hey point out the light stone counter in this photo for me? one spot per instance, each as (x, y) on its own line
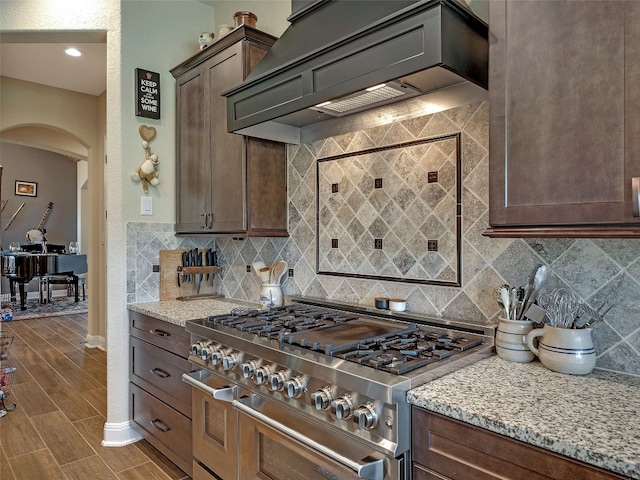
(593, 418)
(178, 312)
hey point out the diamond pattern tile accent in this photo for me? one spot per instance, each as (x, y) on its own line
(405, 205)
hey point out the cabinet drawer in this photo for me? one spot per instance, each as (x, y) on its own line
(201, 473)
(160, 372)
(461, 451)
(422, 473)
(162, 426)
(173, 338)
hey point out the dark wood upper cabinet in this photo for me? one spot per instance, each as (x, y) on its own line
(227, 184)
(564, 89)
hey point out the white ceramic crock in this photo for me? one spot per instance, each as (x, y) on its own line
(511, 340)
(564, 350)
(271, 295)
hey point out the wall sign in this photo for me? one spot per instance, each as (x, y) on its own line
(147, 94)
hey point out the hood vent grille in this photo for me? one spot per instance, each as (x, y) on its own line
(372, 97)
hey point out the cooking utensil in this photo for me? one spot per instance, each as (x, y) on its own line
(257, 267)
(265, 274)
(197, 258)
(589, 316)
(562, 308)
(213, 256)
(278, 271)
(505, 295)
(537, 279)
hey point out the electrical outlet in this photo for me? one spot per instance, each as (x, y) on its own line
(248, 268)
(291, 272)
(156, 268)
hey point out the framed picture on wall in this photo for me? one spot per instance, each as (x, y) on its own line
(28, 189)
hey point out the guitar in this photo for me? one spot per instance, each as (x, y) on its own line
(36, 235)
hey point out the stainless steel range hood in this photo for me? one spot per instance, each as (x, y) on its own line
(430, 55)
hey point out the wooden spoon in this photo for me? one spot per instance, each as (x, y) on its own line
(278, 270)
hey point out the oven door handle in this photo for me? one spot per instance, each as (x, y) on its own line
(372, 470)
(225, 394)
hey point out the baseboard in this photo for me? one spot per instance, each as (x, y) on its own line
(96, 341)
(119, 434)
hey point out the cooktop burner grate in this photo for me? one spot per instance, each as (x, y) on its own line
(395, 347)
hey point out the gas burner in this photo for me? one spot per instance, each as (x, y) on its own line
(391, 346)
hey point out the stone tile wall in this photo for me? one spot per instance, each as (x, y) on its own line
(598, 270)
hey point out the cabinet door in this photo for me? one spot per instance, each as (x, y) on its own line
(193, 192)
(560, 119)
(227, 149)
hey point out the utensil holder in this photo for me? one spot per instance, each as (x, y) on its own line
(511, 340)
(271, 295)
(564, 350)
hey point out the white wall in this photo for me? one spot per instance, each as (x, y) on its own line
(151, 34)
(271, 15)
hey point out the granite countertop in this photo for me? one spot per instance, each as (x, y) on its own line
(591, 418)
(178, 311)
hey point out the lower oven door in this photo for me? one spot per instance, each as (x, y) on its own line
(214, 424)
(279, 444)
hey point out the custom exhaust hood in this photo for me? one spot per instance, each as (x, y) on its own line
(345, 65)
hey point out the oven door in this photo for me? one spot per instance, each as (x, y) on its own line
(214, 424)
(279, 444)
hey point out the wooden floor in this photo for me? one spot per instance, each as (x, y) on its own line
(59, 388)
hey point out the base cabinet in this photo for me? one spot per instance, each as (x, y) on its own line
(160, 401)
(446, 449)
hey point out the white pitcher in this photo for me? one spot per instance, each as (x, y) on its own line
(564, 350)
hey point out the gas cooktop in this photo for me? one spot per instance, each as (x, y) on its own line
(383, 343)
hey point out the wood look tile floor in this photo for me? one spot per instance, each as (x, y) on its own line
(60, 391)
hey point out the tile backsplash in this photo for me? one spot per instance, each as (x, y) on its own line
(597, 270)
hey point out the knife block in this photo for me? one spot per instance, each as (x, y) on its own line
(170, 263)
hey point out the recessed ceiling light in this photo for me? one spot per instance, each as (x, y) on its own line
(73, 52)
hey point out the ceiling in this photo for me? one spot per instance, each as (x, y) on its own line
(36, 60)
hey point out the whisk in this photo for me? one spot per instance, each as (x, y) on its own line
(562, 308)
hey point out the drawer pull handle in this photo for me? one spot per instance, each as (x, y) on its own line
(160, 373)
(159, 333)
(370, 470)
(635, 195)
(226, 393)
(160, 425)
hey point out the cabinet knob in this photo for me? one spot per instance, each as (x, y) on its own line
(635, 195)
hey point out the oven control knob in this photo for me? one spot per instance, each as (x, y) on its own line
(321, 398)
(229, 361)
(216, 356)
(249, 369)
(276, 381)
(365, 416)
(196, 348)
(342, 407)
(294, 387)
(261, 375)
(205, 353)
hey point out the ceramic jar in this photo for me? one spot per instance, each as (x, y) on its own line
(564, 350)
(511, 340)
(271, 295)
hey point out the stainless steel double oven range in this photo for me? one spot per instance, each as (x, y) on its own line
(315, 390)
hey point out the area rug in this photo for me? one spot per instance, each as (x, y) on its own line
(60, 306)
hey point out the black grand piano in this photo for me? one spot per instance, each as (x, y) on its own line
(50, 268)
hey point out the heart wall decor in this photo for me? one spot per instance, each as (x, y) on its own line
(147, 133)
